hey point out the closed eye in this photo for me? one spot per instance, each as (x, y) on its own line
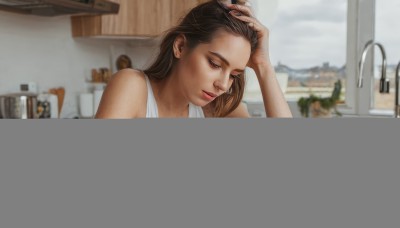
(214, 65)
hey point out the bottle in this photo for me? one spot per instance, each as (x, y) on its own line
(86, 105)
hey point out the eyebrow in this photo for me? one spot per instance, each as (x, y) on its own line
(224, 60)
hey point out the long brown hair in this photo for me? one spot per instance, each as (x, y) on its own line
(199, 26)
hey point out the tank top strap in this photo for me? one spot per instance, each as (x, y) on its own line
(152, 110)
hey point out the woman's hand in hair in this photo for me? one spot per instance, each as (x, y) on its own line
(274, 101)
(261, 54)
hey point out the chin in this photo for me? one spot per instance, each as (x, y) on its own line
(199, 102)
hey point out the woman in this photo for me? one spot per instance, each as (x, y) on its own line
(199, 71)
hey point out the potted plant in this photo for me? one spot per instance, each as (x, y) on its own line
(319, 106)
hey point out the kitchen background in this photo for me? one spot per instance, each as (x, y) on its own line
(54, 52)
(42, 50)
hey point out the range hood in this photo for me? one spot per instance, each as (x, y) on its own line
(59, 7)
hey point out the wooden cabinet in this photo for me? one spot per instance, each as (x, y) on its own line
(140, 18)
(179, 8)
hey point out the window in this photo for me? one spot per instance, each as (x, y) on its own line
(307, 47)
(385, 25)
(314, 42)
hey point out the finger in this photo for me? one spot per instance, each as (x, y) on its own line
(244, 9)
(256, 27)
(252, 22)
(241, 16)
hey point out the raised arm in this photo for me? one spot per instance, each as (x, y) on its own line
(275, 103)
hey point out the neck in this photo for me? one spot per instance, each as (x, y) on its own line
(170, 98)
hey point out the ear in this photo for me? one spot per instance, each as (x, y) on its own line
(179, 46)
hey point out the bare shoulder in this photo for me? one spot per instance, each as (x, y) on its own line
(125, 96)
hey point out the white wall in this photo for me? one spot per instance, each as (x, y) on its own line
(42, 50)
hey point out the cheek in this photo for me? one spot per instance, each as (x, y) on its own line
(196, 68)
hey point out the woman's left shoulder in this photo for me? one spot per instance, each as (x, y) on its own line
(240, 112)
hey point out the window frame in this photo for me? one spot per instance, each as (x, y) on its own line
(360, 30)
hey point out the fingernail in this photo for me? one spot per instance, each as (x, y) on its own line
(236, 13)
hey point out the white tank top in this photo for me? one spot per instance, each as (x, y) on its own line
(152, 110)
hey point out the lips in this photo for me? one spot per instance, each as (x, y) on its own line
(210, 94)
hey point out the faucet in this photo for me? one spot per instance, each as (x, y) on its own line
(384, 82)
(396, 99)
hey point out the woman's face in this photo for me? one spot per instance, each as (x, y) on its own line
(208, 70)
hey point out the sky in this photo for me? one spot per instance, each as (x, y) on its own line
(307, 33)
(387, 21)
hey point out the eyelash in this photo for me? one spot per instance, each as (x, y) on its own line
(218, 67)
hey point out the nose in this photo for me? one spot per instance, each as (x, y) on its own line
(222, 83)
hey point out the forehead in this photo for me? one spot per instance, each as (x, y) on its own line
(234, 48)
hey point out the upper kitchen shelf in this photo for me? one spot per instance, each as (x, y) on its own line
(136, 18)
